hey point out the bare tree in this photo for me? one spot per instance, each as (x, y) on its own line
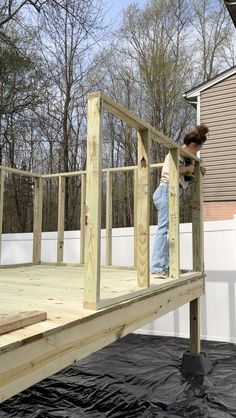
(69, 36)
(213, 36)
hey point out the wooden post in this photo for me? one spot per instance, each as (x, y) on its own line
(174, 256)
(195, 343)
(82, 216)
(93, 203)
(197, 220)
(61, 219)
(135, 216)
(143, 273)
(198, 258)
(109, 219)
(1, 208)
(38, 212)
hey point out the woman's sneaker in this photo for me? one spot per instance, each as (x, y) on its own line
(161, 275)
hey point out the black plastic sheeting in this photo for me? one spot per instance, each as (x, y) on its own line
(137, 376)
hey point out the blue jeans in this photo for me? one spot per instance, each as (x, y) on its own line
(160, 252)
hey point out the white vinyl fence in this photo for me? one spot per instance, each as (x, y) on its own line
(218, 306)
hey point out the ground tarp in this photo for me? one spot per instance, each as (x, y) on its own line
(137, 376)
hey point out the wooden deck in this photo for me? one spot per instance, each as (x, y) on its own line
(70, 332)
(87, 310)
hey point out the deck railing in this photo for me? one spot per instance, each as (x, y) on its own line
(97, 104)
(90, 217)
(37, 222)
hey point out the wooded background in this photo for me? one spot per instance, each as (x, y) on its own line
(53, 53)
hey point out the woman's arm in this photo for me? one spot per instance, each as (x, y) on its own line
(186, 169)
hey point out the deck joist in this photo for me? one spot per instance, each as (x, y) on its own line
(70, 332)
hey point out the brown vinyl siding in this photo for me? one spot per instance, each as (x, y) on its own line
(218, 112)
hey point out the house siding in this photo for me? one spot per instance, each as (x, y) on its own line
(218, 112)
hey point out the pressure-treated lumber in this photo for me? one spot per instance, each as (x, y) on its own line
(82, 216)
(195, 342)
(61, 219)
(38, 211)
(174, 251)
(1, 208)
(109, 219)
(88, 311)
(67, 174)
(19, 172)
(93, 203)
(197, 220)
(124, 114)
(142, 207)
(70, 332)
(8, 266)
(12, 322)
(198, 260)
(135, 216)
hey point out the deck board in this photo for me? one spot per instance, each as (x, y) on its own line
(70, 332)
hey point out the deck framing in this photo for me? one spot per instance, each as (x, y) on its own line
(93, 321)
(26, 360)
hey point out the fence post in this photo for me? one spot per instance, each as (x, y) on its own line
(38, 212)
(143, 273)
(61, 219)
(93, 203)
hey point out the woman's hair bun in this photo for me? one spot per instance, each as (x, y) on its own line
(197, 135)
(201, 130)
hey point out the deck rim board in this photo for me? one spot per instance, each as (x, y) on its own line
(44, 357)
(86, 314)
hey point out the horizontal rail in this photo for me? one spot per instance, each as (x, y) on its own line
(69, 174)
(5, 266)
(125, 115)
(119, 111)
(104, 170)
(18, 172)
(130, 168)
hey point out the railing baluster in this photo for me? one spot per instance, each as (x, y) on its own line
(61, 219)
(82, 216)
(38, 209)
(1, 208)
(109, 219)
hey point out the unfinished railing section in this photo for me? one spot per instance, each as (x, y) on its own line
(97, 104)
(90, 214)
(37, 221)
(61, 178)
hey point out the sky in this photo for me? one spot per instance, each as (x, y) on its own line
(115, 7)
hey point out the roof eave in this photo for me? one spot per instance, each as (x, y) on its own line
(231, 6)
(197, 90)
(191, 100)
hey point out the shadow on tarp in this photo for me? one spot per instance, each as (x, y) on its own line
(137, 376)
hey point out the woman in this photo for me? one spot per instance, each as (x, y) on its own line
(193, 142)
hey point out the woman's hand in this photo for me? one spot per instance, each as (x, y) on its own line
(186, 169)
(203, 170)
(190, 168)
